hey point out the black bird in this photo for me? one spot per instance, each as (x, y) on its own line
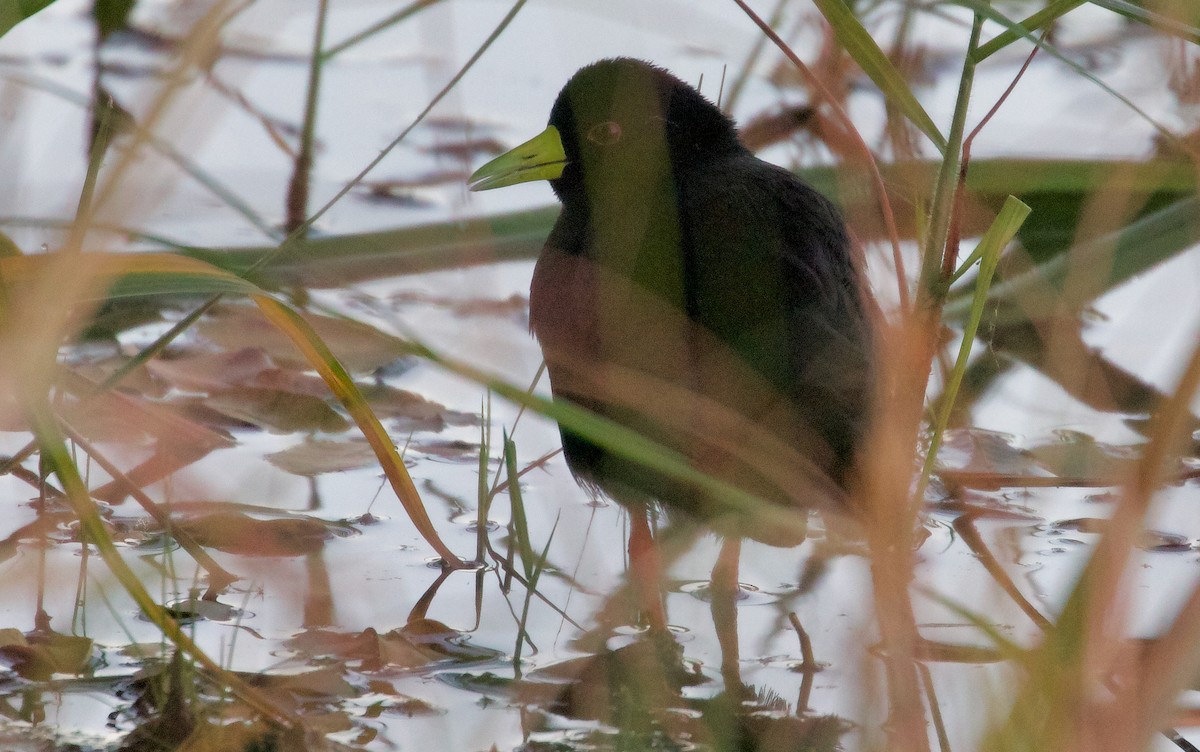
(697, 294)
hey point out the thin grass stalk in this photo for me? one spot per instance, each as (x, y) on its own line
(101, 139)
(931, 290)
(497, 483)
(375, 28)
(998, 236)
(533, 566)
(952, 243)
(298, 186)
(520, 522)
(45, 426)
(739, 82)
(1039, 20)
(483, 500)
(530, 591)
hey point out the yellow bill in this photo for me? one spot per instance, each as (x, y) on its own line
(540, 158)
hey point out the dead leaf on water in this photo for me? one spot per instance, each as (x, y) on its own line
(412, 412)
(241, 534)
(319, 456)
(212, 371)
(359, 348)
(279, 412)
(373, 650)
(1077, 455)
(975, 450)
(40, 654)
(453, 451)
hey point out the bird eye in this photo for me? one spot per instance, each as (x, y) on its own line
(604, 133)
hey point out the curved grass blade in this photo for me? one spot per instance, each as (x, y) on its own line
(1035, 22)
(859, 44)
(990, 13)
(991, 246)
(633, 445)
(54, 453)
(1160, 21)
(158, 273)
(343, 387)
(14, 12)
(1126, 253)
(130, 274)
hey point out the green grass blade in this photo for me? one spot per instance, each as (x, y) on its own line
(1160, 22)
(630, 444)
(333, 261)
(860, 46)
(1126, 253)
(132, 274)
(13, 12)
(54, 453)
(343, 387)
(987, 11)
(520, 522)
(1044, 17)
(483, 502)
(991, 247)
(155, 273)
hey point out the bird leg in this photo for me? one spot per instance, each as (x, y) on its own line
(724, 591)
(645, 564)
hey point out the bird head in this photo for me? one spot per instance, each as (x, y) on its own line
(616, 123)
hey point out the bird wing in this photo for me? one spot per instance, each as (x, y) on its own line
(770, 274)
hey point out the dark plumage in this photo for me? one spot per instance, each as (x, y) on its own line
(695, 293)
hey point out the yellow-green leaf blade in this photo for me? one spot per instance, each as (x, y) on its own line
(859, 44)
(343, 387)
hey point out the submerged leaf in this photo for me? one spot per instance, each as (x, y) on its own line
(1077, 455)
(359, 348)
(412, 412)
(247, 536)
(278, 411)
(316, 457)
(40, 654)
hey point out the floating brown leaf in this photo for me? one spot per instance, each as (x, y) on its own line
(237, 533)
(281, 412)
(359, 348)
(319, 456)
